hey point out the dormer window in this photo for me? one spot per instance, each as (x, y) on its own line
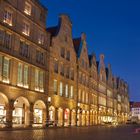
(8, 18)
(27, 8)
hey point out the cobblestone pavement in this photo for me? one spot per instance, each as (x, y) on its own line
(76, 133)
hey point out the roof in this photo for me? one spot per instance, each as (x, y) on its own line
(135, 104)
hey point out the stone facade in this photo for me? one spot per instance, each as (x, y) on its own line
(47, 76)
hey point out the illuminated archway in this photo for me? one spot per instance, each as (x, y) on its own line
(66, 117)
(51, 113)
(21, 111)
(39, 112)
(3, 103)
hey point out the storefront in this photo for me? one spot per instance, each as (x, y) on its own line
(66, 117)
(3, 102)
(21, 111)
(18, 115)
(39, 112)
(51, 113)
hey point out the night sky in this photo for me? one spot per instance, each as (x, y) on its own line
(112, 27)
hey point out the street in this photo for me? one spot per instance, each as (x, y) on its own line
(126, 132)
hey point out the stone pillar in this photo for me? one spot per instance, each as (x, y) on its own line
(9, 110)
(44, 117)
(56, 117)
(31, 115)
(70, 117)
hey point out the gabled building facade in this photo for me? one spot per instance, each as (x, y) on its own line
(47, 77)
(63, 73)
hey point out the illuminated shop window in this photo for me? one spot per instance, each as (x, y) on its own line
(28, 8)
(26, 29)
(38, 113)
(2, 113)
(18, 115)
(8, 17)
(22, 75)
(39, 80)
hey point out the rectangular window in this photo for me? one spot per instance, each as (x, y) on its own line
(55, 86)
(83, 96)
(26, 29)
(67, 72)
(1, 37)
(66, 91)
(6, 70)
(56, 66)
(62, 52)
(20, 67)
(25, 76)
(27, 8)
(39, 57)
(86, 97)
(22, 80)
(61, 88)
(71, 92)
(8, 18)
(7, 40)
(41, 39)
(62, 70)
(68, 55)
(72, 74)
(79, 95)
(24, 49)
(39, 80)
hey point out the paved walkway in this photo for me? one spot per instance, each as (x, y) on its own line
(124, 132)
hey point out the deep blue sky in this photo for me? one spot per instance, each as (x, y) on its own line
(112, 28)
